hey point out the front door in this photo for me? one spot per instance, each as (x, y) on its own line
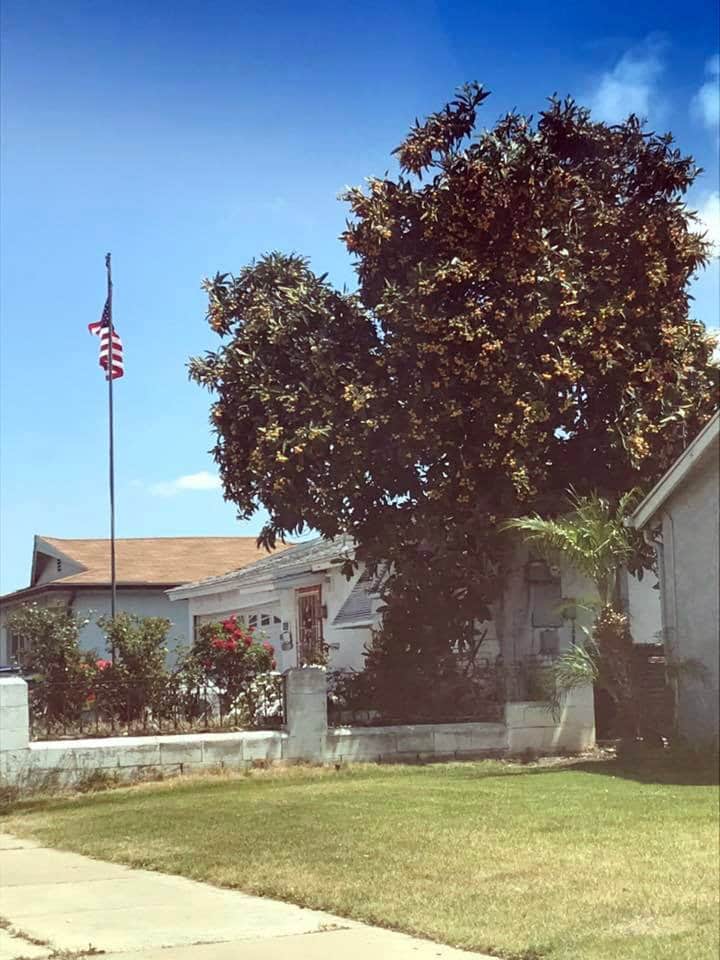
(310, 633)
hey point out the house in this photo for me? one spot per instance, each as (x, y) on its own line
(76, 573)
(300, 600)
(680, 516)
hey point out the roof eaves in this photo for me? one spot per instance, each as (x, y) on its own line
(68, 586)
(359, 624)
(315, 556)
(672, 478)
(213, 585)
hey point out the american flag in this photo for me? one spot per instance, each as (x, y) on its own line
(102, 329)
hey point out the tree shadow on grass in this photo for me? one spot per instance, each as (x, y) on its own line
(661, 769)
(651, 768)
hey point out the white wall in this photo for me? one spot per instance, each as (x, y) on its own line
(690, 589)
(644, 609)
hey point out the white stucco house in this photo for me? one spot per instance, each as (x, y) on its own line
(680, 516)
(301, 599)
(298, 599)
(76, 574)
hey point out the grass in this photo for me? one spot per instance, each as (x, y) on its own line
(588, 861)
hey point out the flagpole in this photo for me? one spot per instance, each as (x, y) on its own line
(112, 445)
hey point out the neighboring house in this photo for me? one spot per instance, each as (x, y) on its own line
(76, 573)
(680, 515)
(301, 600)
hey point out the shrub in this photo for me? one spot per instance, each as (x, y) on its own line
(59, 673)
(138, 678)
(232, 660)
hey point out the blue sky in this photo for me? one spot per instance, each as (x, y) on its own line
(188, 137)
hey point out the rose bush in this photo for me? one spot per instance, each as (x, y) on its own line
(234, 661)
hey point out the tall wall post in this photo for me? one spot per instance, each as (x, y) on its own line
(306, 713)
(14, 726)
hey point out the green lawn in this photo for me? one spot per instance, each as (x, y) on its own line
(579, 862)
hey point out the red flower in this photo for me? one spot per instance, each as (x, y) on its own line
(247, 641)
(230, 623)
(217, 643)
(273, 665)
(269, 647)
(231, 644)
(91, 698)
(103, 664)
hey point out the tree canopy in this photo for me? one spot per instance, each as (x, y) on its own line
(521, 325)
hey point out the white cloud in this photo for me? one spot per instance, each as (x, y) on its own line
(709, 216)
(204, 480)
(631, 86)
(706, 102)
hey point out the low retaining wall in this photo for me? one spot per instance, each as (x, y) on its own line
(131, 757)
(426, 741)
(306, 737)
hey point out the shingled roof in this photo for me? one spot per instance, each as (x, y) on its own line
(142, 562)
(300, 556)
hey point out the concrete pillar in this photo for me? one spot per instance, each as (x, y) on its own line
(14, 726)
(306, 713)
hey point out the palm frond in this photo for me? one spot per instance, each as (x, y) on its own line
(591, 536)
(577, 667)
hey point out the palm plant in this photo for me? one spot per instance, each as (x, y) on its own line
(593, 538)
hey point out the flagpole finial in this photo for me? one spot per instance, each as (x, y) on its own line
(107, 259)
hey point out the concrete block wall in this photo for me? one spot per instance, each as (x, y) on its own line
(427, 741)
(306, 737)
(534, 726)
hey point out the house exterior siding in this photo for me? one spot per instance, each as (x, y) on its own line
(689, 573)
(140, 603)
(92, 605)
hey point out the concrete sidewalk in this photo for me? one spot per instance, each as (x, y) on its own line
(52, 902)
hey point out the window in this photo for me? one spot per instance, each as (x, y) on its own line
(547, 604)
(549, 643)
(15, 645)
(266, 622)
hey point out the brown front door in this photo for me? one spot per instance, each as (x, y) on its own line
(309, 616)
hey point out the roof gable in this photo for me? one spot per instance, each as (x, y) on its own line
(161, 561)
